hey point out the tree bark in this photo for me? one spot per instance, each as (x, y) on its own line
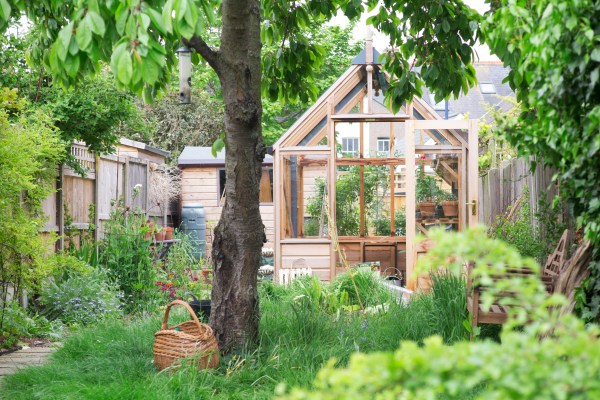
(240, 233)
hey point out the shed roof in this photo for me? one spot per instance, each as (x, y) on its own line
(192, 156)
(144, 146)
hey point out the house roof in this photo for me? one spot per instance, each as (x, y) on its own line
(202, 157)
(144, 146)
(475, 103)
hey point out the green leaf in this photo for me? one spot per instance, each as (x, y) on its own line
(181, 7)
(595, 54)
(125, 68)
(218, 145)
(73, 47)
(157, 20)
(121, 18)
(121, 63)
(83, 35)
(166, 16)
(150, 71)
(97, 23)
(71, 65)
(4, 10)
(446, 26)
(65, 36)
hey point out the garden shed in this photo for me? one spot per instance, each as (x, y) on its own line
(203, 181)
(351, 163)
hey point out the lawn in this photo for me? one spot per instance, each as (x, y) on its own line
(113, 359)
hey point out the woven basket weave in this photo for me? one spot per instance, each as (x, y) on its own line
(192, 339)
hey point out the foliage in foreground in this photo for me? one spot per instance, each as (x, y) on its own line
(551, 47)
(113, 359)
(543, 354)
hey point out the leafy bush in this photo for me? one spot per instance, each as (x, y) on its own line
(368, 285)
(82, 298)
(126, 255)
(519, 230)
(541, 348)
(30, 149)
(16, 323)
(382, 224)
(175, 277)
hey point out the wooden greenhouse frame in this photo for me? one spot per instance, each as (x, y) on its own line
(310, 147)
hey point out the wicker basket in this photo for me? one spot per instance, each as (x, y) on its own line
(190, 339)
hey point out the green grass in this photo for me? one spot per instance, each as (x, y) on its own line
(113, 360)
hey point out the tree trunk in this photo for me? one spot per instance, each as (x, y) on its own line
(240, 233)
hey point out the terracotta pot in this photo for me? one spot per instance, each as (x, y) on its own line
(150, 225)
(159, 236)
(207, 276)
(168, 230)
(427, 209)
(450, 208)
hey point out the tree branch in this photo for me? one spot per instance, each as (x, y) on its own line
(212, 56)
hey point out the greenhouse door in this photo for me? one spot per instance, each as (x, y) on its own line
(441, 182)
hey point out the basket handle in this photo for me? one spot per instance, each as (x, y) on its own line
(181, 303)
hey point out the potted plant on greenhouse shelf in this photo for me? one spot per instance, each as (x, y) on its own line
(449, 203)
(159, 234)
(426, 194)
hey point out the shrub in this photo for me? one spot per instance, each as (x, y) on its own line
(175, 277)
(126, 255)
(542, 349)
(82, 298)
(516, 228)
(368, 285)
(30, 149)
(18, 323)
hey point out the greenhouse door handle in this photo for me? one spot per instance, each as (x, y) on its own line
(474, 206)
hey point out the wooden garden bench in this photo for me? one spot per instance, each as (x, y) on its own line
(498, 314)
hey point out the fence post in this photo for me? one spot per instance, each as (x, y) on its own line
(60, 212)
(126, 182)
(97, 198)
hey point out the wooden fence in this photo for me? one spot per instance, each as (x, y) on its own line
(501, 186)
(108, 178)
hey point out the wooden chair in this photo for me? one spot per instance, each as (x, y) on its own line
(498, 314)
(555, 264)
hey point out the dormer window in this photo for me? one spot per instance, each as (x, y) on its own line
(439, 106)
(487, 88)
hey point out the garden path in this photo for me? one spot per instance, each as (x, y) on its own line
(11, 362)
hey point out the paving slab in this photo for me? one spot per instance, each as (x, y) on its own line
(11, 362)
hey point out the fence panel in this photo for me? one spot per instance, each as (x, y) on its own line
(501, 186)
